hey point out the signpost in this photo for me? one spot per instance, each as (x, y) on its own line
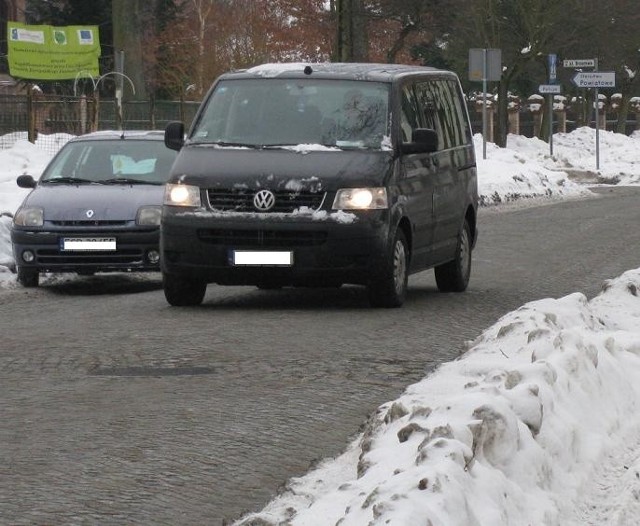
(580, 63)
(592, 79)
(546, 89)
(595, 79)
(485, 65)
(549, 90)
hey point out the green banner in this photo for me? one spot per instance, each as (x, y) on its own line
(52, 53)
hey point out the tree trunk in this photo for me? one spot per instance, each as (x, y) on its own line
(352, 42)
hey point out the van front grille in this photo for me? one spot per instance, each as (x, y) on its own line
(241, 200)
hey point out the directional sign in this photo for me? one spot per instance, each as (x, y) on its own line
(595, 79)
(549, 88)
(580, 63)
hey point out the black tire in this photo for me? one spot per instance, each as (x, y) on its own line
(454, 276)
(388, 287)
(28, 277)
(183, 292)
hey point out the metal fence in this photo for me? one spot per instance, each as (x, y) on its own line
(43, 118)
(47, 119)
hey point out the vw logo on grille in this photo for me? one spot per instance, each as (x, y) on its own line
(89, 214)
(264, 200)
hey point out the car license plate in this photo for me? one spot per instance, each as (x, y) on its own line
(281, 258)
(88, 243)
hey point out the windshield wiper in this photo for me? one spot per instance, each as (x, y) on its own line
(125, 180)
(226, 144)
(70, 180)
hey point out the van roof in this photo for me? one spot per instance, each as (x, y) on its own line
(336, 70)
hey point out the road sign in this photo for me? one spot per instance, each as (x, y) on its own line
(580, 63)
(552, 60)
(595, 79)
(549, 88)
(485, 64)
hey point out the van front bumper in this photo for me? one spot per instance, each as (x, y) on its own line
(335, 248)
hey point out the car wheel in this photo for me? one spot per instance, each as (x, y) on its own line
(182, 292)
(454, 276)
(28, 277)
(388, 287)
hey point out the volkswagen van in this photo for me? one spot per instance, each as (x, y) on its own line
(322, 175)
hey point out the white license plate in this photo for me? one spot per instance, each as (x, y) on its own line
(88, 243)
(262, 258)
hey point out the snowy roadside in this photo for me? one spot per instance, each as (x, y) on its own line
(534, 425)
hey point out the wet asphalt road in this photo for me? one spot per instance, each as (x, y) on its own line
(118, 409)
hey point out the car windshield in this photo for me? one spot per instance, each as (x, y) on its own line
(111, 161)
(260, 113)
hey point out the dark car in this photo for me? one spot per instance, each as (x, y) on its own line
(319, 175)
(96, 207)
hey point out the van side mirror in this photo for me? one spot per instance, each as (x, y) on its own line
(26, 181)
(423, 140)
(174, 135)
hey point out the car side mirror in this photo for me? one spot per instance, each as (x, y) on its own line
(26, 181)
(423, 140)
(174, 135)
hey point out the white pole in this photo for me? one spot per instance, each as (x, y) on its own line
(484, 103)
(597, 122)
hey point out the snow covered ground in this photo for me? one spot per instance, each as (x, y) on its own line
(533, 425)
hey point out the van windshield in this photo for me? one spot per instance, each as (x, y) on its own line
(261, 113)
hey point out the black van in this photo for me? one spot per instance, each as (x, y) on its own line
(319, 175)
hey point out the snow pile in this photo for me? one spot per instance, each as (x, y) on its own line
(515, 173)
(511, 433)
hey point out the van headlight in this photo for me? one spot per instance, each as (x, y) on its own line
(361, 199)
(149, 215)
(29, 216)
(182, 195)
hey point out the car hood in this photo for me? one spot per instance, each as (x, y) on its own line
(293, 169)
(71, 202)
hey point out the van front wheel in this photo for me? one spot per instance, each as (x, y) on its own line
(454, 276)
(388, 287)
(183, 292)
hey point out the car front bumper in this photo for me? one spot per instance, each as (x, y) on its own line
(134, 250)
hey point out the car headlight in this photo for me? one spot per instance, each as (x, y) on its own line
(361, 199)
(29, 216)
(149, 215)
(182, 195)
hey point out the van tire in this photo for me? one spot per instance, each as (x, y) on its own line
(388, 287)
(28, 277)
(183, 292)
(454, 275)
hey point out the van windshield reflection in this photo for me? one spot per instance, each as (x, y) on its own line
(273, 113)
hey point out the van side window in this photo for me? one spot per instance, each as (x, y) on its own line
(430, 112)
(463, 133)
(442, 111)
(409, 115)
(448, 112)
